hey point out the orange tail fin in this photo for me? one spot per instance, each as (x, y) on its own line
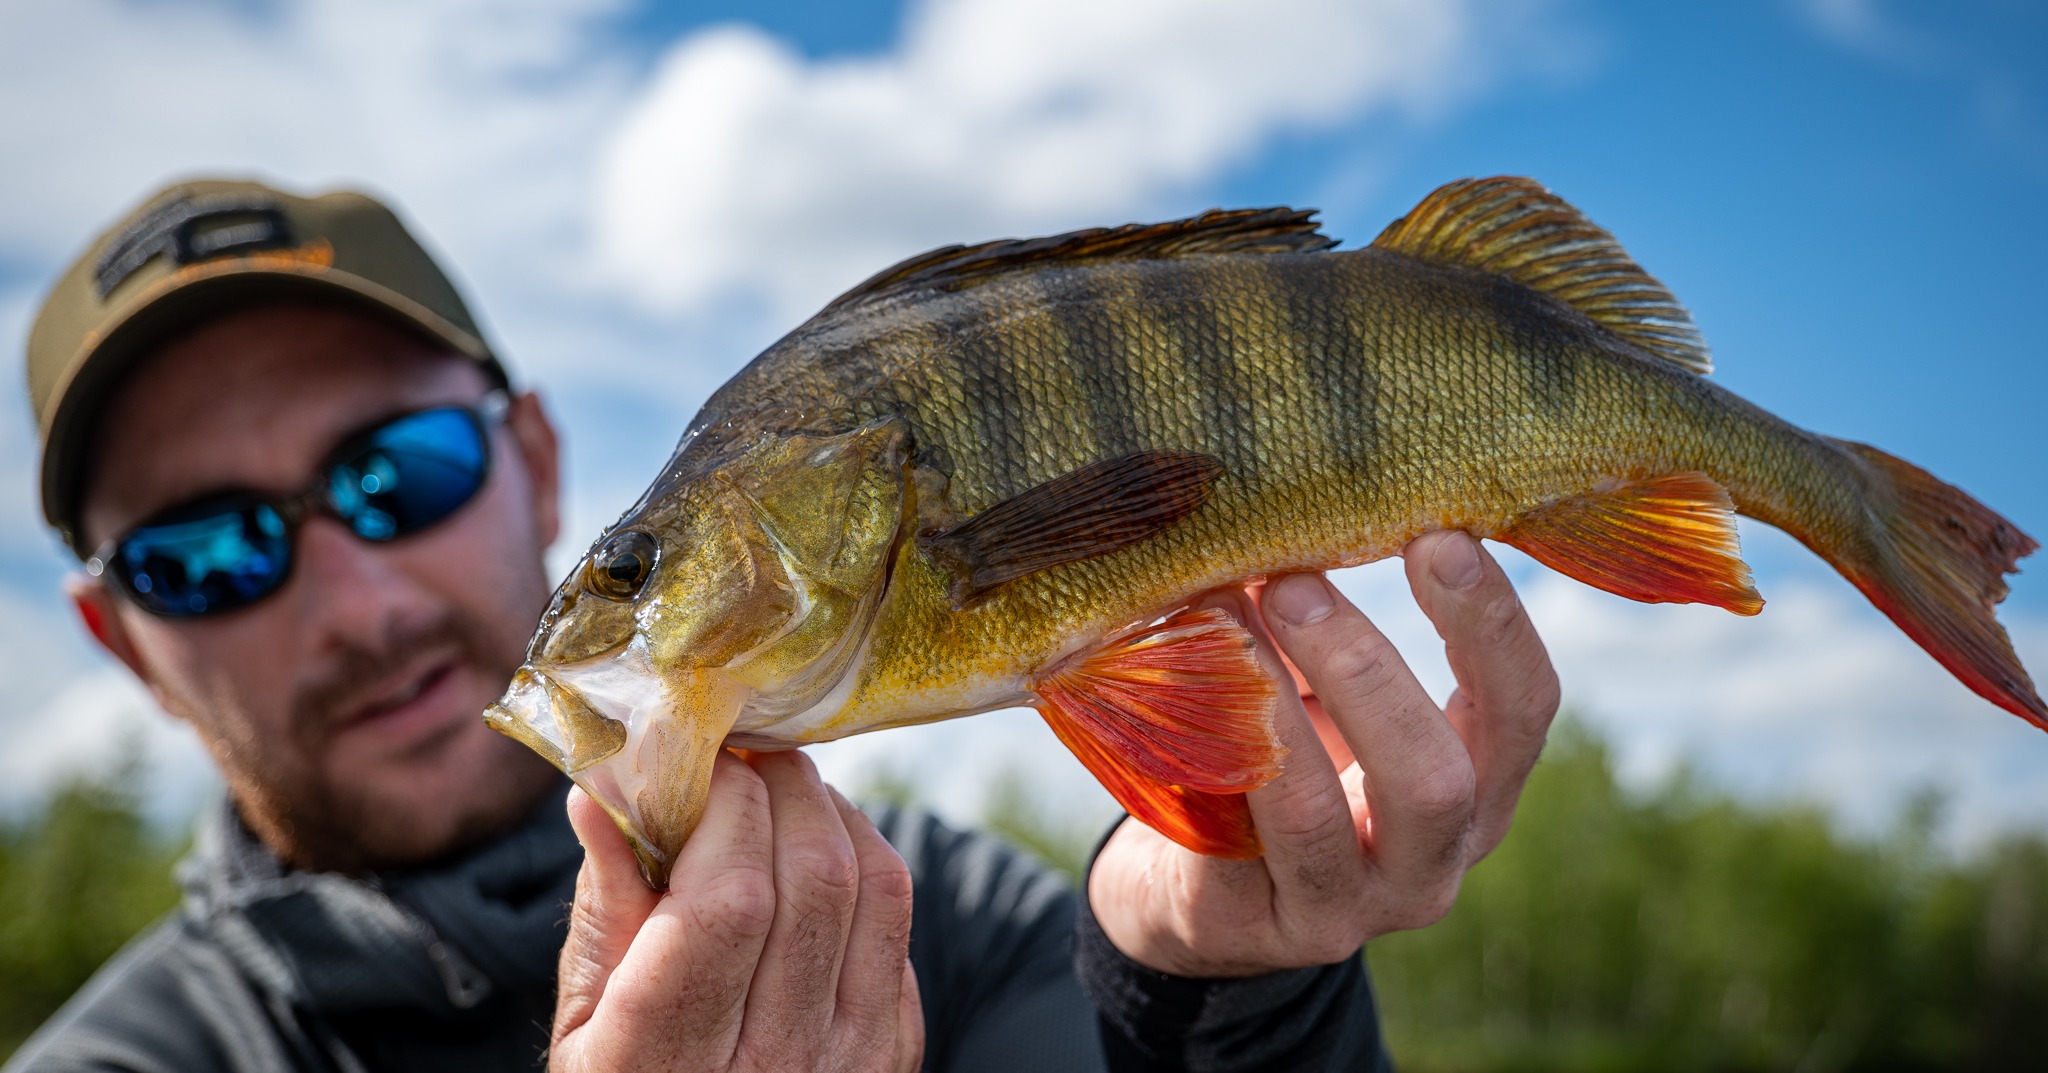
(1176, 720)
(1936, 564)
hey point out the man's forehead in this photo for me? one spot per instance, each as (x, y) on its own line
(254, 399)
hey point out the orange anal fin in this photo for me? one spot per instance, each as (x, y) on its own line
(1176, 720)
(1665, 540)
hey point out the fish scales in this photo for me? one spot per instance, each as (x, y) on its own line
(1487, 345)
(993, 475)
(1293, 498)
(1295, 494)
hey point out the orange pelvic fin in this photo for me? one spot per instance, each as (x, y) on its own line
(1939, 572)
(1664, 540)
(1176, 720)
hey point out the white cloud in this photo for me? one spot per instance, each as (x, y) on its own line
(1863, 26)
(66, 712)
(746, 172)
(518, 137)
(477, 111)
(487, 120)
(1819, 698)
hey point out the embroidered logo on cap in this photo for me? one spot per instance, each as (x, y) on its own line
(193, 229)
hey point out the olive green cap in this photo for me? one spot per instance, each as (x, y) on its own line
(195, 250)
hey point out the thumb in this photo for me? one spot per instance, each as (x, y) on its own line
(612, 902)
(909, 1023)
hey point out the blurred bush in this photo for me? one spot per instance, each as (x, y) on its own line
(1684, 931)
(1674, 930)
(78, 878)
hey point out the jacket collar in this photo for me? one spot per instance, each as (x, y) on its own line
(440, 938)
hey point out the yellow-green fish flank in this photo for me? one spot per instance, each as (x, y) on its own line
(994, 475)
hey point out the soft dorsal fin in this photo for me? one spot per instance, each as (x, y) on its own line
(1513, 227)
(1275, 230)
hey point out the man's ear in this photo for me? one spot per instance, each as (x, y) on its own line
(540, 451)
(94, 603)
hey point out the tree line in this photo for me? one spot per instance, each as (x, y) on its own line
(1672, 929)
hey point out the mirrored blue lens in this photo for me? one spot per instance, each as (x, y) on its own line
(231, 550)
(409, 474)
(209, 557)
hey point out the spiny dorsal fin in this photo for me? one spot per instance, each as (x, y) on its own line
(1513, 227)
(1275, 230)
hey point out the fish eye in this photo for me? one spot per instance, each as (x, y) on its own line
(621, 565)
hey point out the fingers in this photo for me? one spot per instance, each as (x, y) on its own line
(909, 1049)
(878, 1007)
(682, 989)
(817, 880)
(611, 903)
(1326, 731)
(1416, 777)
(1302, 816)
(1507, 690)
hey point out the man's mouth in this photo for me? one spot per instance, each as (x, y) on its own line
(417, 697)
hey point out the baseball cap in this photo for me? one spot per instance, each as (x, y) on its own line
(195, 250)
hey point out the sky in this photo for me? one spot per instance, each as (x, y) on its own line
(637, 197)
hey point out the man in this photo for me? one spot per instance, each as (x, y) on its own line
(312, 512)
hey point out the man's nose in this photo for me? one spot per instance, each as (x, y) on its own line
(351, 586)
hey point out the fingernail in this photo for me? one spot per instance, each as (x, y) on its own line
(1456, 562)
(1300, 599)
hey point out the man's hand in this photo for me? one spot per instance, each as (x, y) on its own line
(1383, 845)
(782, 942)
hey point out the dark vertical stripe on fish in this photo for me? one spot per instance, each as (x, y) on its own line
(990, 391)
(1206, 335)
(1317, 309)
(928, 392)
(1099, 356)
(1529, 336)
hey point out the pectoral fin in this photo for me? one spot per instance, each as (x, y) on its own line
(1665, 540)
(1091, 511)
(1176, 720)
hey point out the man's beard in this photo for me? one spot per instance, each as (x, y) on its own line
(318, 821)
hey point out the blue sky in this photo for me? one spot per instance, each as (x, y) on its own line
(1851, 197)
(1849, 194)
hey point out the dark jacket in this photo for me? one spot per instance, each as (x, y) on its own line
(453, 967)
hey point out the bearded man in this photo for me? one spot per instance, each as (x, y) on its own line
(311, 505)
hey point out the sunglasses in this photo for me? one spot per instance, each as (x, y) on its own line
(230, 549)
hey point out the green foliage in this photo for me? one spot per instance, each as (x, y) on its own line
(1676, 931)
(1685, 931)
(1013, 813)
(887, 785)
(77, 879)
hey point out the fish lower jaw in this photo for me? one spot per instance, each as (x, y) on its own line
(652, 770)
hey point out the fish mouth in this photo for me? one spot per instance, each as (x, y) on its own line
(640, 745)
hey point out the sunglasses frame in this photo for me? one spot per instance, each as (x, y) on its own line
(316, 498)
